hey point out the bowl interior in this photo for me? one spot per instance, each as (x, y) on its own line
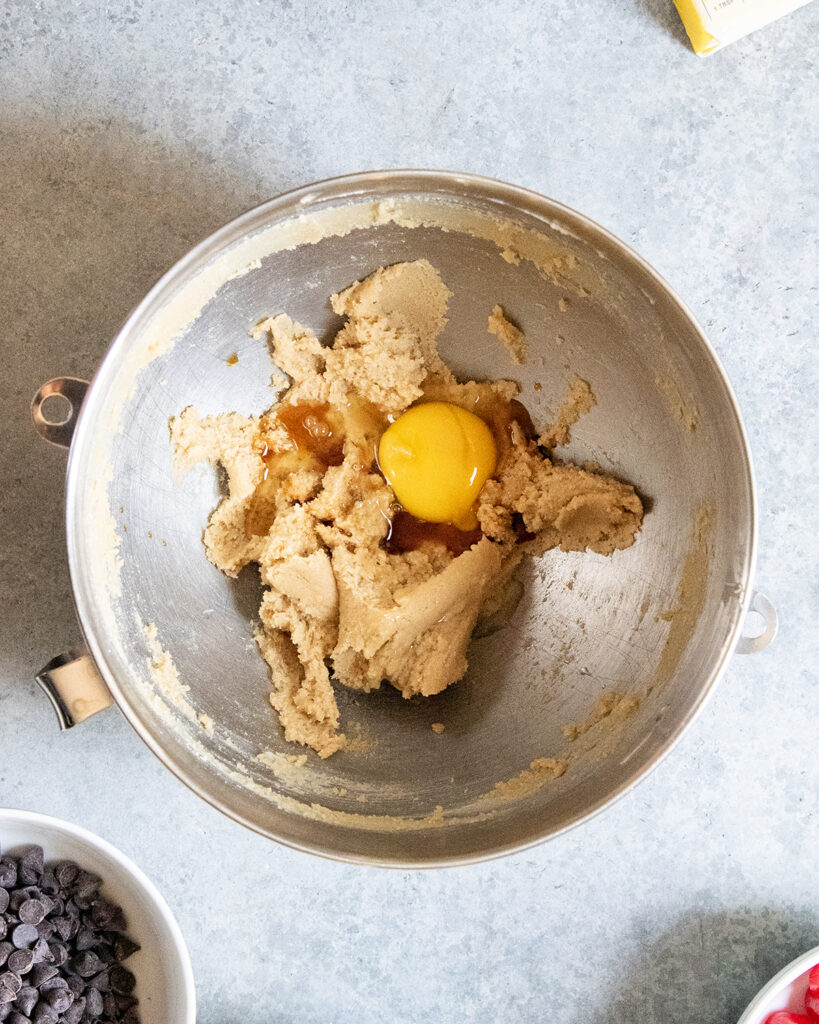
(654, 622)
(162, 968)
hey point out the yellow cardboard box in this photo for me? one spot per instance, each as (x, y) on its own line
(712, 24)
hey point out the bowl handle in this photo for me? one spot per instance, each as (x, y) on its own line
(762, 606)
(55, 427)
(74, 686)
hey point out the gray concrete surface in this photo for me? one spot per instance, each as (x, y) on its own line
(130, 130)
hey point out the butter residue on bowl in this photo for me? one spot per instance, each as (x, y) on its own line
(340, 607)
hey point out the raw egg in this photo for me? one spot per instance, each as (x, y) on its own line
(436, 457)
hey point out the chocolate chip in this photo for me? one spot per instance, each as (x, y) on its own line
(16, 898)
(122, 980)
(93, 1002)
(86, 964)
(66, 872)
(20, 961)
(8, 872)
(124, 947)
(109, 1002)
(59, 954)
(87, 884)
(107, 916)
(76, 984)
(26, 999)
(74, 1013)
(59, 999)
(31, 865)
(130, 1016)
(58, 981)
(31, 912)
(11, 981)
(125, 1002)
(106, 954)
(6, 949)
(101, 982)
(48, 882)
(4, 928)
(42, 953)
(86, 939)
(40, 973)
(64, 926)
(43, 1014)
(17, 1018)
(24, 935)
(4, 900)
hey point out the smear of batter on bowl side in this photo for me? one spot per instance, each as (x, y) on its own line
(356, 592)
(579, 401)
(683, 408)
(612, 708)
(540, 772)
(509, 334)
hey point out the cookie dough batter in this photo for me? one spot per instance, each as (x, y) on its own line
(512, 337)
(307, 502)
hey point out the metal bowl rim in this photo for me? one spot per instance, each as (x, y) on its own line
(301, 200)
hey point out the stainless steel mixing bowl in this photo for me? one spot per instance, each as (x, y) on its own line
(657, 622)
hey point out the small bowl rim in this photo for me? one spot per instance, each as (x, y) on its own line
(23, 817)
(790, 973)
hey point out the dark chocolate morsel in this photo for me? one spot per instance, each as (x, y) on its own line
(31, 912)
(59, 999)
(24, 935)
(86, 964)
(101, 982)
(41, 973)
(43, 1014)
(11, 981)
(93, 1002)
(124, 947)
(20, 961)
(26, 999)
(122, 980)
(56, 982)
(42, 953)
(74, 1013)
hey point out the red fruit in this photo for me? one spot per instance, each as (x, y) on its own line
(812, 994)
(786, 1017)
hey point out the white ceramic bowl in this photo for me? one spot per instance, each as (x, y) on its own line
(785, 991)
(162, 966)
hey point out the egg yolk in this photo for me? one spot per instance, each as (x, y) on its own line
(437, 457)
